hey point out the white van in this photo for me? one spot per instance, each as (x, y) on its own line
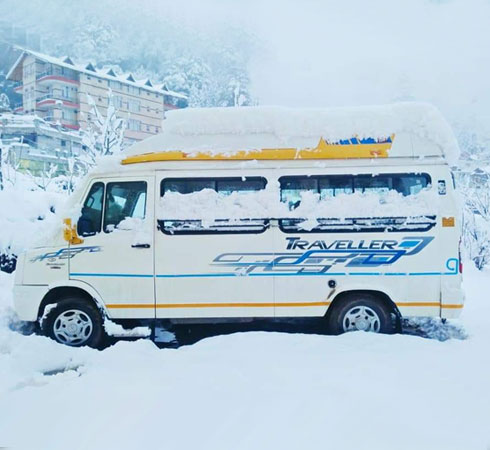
(348, 215)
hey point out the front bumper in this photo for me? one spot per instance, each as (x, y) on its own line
(27, 299)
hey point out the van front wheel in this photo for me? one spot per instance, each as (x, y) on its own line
(361, 312)
(74, 322)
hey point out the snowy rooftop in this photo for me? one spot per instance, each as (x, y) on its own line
(90, 69)
(419, 129)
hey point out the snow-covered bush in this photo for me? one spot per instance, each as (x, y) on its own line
(476, 217)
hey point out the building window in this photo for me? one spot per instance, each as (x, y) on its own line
(115, 84)
(148, 128)
(134, 105)
(134, 125)
(118, 101)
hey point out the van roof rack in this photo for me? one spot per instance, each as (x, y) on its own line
(345, 149)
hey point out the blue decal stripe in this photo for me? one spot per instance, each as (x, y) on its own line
(197, 275)
(200, 275)
(109, 275)
(272, 274)
(365, 273)
(413, 274)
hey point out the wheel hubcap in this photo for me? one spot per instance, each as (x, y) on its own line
(73, 327)
(361, 318)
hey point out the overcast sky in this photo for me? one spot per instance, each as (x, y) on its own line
(339, 52)
(336, 52)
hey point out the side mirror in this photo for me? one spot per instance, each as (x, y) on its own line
(70, 233)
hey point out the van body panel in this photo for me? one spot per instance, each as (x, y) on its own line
(191, 281)
(261, 274)
(118, 264)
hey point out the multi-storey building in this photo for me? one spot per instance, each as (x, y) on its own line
(58, 90)
(33, 143)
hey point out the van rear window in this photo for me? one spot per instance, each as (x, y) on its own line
(224, 186)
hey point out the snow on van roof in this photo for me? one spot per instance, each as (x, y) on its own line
(419, 129)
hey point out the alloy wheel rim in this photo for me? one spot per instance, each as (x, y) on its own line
(361, 318)
(73, 327)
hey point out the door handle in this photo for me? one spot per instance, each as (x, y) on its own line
(140, 245)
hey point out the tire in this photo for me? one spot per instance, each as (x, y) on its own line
(76, 322)
(361, 312)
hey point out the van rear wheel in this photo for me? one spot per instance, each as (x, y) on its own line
(361, 312)
(74, 322)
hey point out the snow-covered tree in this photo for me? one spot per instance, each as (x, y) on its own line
(104, 134)
(476, 217)
(4, 102)
(45, 176)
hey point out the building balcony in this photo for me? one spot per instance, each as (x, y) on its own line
(18, 107)
(18, 86)
(49, 76)
(53, 100)
(65, 123)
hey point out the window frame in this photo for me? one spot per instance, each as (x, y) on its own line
(265, 225)
(106, 190)
(95, 182)
(215, 179)
(358, 224)
(353, 178)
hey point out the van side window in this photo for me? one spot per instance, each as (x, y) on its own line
(123, 200)
(222, 185)
(332, 185)
(91, 218)
(292, 187)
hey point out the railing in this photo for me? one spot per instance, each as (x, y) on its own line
(18, 105)
(56, 97)
(61, 121)
(57, 74)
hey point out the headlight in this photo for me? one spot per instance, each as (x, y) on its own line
(19, 269)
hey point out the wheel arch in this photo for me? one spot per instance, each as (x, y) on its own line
(383, 297)
(81, 290)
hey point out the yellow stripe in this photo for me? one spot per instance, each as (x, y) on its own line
(453, 306)
(212, 305)
(323, 150)
(436, 304)
(261, 305)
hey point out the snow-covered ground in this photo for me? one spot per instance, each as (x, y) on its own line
(252, 390)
